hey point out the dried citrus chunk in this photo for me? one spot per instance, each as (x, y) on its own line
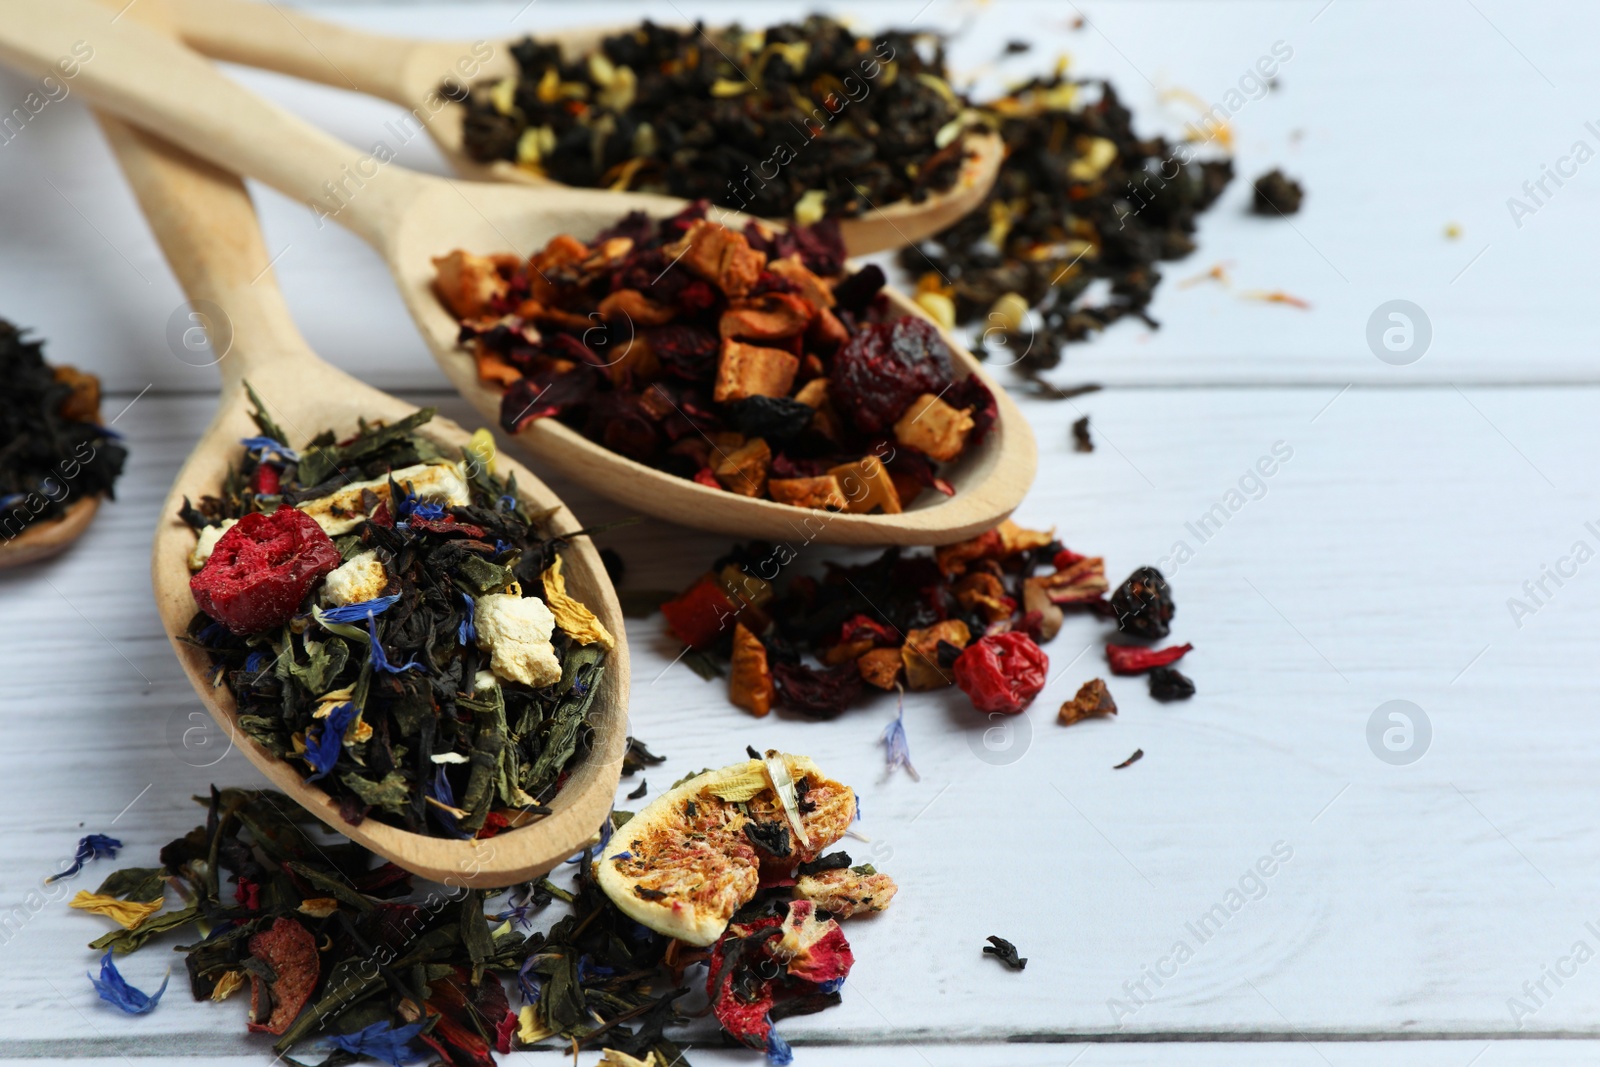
(694, 856)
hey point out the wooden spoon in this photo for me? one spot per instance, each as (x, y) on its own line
(207, 227)
(150, 80)
(41, 540)
(408, 72)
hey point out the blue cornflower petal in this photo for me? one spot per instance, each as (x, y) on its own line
(93, 847)
(444, 794)
(382, 1042)
(381, 661)
(507, 502)
(832, 985)
(528, 983)
(587, 969)
(779, 1054)
(427, 512)
(468, 631)
(114, 989)
(501, 547)
(606, 830)
(895, 749)
(267, 445)
(254, 661)
(322, 751)
(353, 613)
(403, 501)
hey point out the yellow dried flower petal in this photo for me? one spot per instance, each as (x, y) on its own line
(127, 913)
(610, 1057)
(503, 96)
(529, 1028)
(810, 208)
(576, 620)
(229, 984)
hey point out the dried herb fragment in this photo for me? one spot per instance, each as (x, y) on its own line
(1005, 952)
(1166, 683)
(1093, 700)
(1138, 754)
(1081, 441)
(1276, 194)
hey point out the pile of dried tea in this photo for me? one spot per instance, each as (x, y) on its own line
(750, 362)
(800, 120)
(345, 957)
(391, 618)
(53, 450)
(1080, 199)
(972, 614)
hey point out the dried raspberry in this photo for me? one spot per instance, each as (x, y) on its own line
(262, 568)
(884, 367)
(688, 352)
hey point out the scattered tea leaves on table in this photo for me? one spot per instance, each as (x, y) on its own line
(1081, 441)
(1005, 952)
(1277, 194)
(1138, 754)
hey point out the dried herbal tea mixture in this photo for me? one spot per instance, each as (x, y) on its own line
(1080, 198)
(391, 618)
(345, 957)
(972, 614)
(800, 120)
(53, 450)
(749, 362)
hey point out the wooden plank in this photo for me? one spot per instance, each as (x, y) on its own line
(1453, 107)
(1375, 564)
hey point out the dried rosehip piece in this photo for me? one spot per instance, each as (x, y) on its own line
(262, 568)
(1002, 673)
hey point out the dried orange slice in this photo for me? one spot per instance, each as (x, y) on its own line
(691, 859)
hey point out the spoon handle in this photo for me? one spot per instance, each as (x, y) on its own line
(139, 74)
(290, 42)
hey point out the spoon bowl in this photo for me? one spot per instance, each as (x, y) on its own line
(206, 225)
(409, 218)
(41, 540)
(408, 72)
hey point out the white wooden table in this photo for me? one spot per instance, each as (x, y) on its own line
(1376, 564)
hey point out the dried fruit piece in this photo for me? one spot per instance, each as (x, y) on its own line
(1166, 683)
(920, 654)
(684, 864)
(752, 370)
(867, 486)
(1143, 604)
(934, 428)
(819, 492)
(468, 284)
(846, 891)
(812, 949)
(702, 613)
(262, 568)
(1002, 673)
(289, 952)
(881, 667)
(1092, 701)
(749, 679)
(885, 366)
(1131, 659)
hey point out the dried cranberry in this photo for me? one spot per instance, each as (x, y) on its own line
(1002, 673)
(262, 568)
(885, 366)
(687, 352)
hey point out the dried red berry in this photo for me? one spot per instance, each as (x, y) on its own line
(884, 367)
(262, 568)
(1130, 659)
(1143, 604)
(1002, 673)
(266, 481)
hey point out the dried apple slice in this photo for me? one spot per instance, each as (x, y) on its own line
(686, 863)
